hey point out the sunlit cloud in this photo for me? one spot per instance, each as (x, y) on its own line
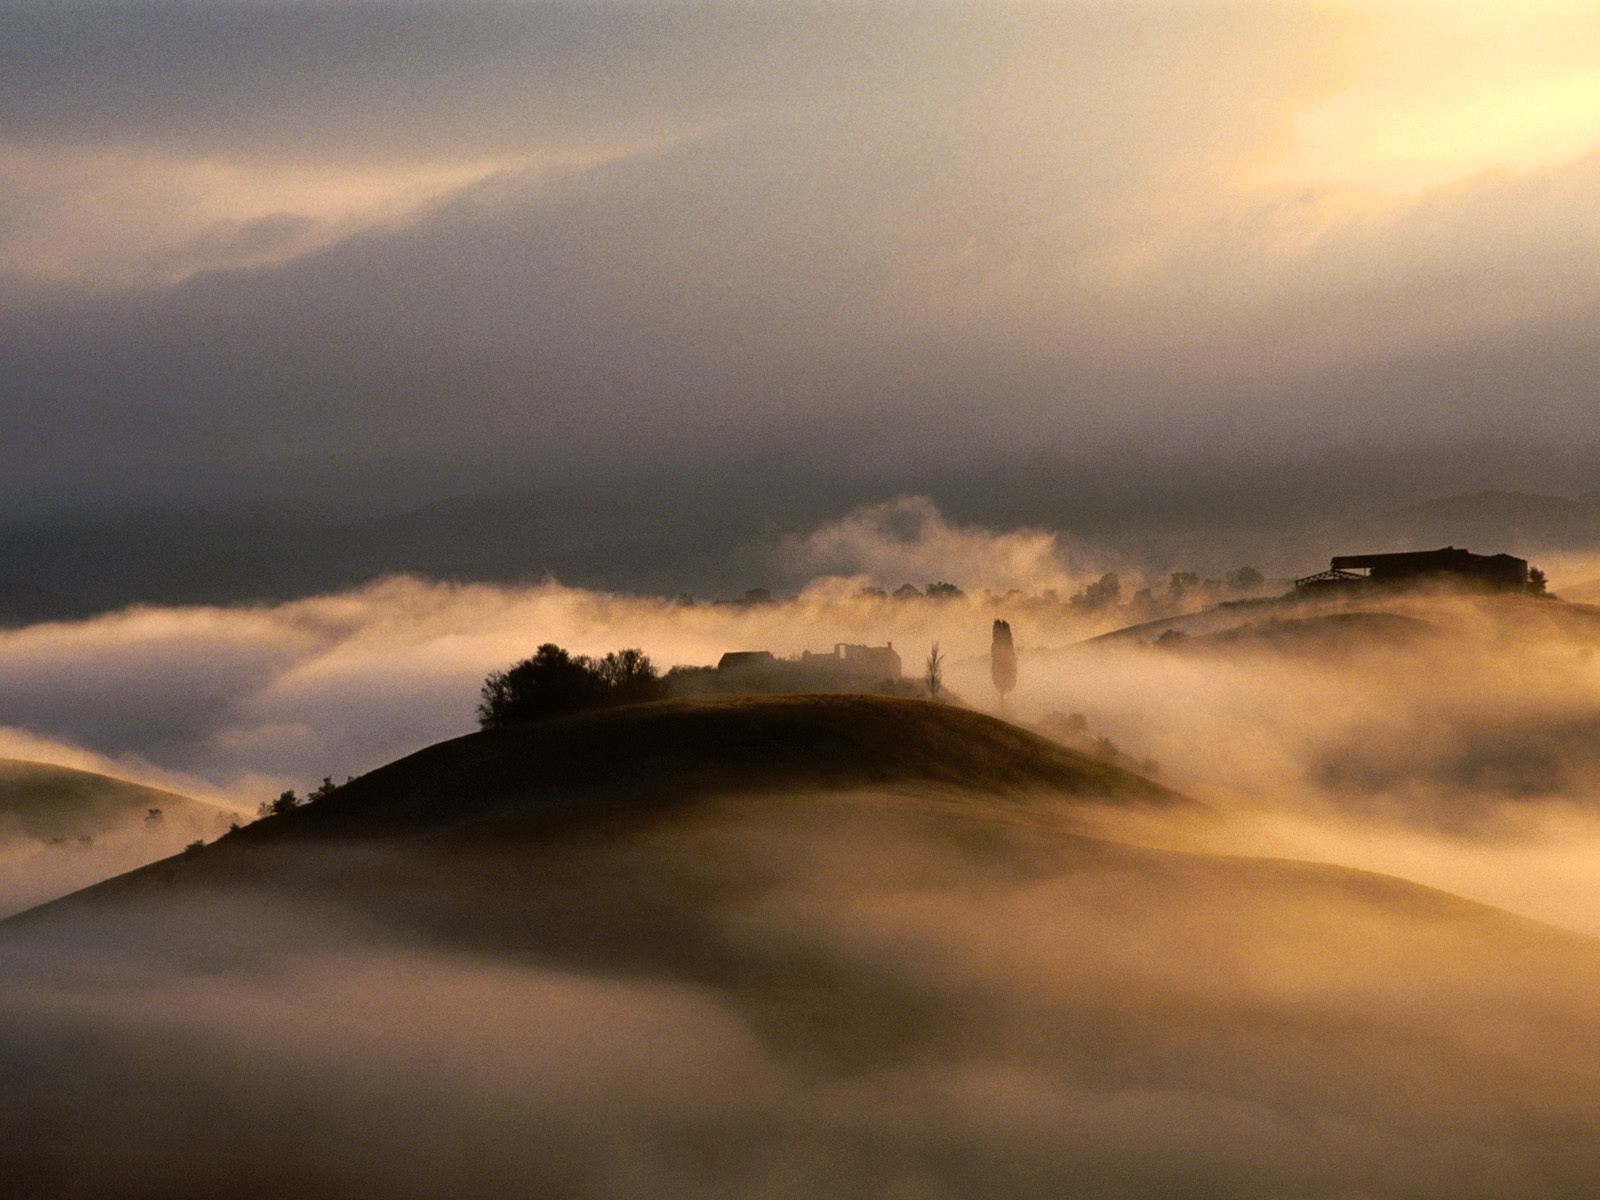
(1432, 93)
(868, 235)
(130, 218)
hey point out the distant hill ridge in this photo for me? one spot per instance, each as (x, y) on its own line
(44, 801)
(1488, 522)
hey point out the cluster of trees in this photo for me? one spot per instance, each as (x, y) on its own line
(942, 590)
(289, 800)
(554, 682)
(1106, 592)
(1102, 595)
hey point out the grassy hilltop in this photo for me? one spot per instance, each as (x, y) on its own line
(679, 749)
(40, 801)
(570, 774)
(851, 941)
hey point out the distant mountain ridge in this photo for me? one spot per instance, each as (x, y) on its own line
(1489, 522)
(689, 539)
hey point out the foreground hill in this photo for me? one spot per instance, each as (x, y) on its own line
(745, 744)
(627, 763)
(837, 946)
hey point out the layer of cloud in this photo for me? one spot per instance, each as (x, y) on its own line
(881, 236)
(908, 540)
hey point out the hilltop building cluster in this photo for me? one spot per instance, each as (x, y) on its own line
(1450, 567)
(847, 667)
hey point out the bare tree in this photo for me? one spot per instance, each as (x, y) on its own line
(934, 675)
(1003, 661)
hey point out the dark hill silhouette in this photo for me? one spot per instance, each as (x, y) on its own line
(558, 776)
(875, 898)
(651, 753)
(604, 839)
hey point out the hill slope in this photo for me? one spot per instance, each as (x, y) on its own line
(745, 744)
(791, 946)
(624, 764)
(43, 802)
(61, 829)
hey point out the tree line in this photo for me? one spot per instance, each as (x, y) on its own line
(554, 682)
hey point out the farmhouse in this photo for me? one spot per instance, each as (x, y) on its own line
(847, 667)
(846, 661)
(1450, 566)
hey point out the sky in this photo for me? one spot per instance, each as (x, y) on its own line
(359, 256)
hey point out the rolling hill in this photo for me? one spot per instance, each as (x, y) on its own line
(1394, 618)
(61, 829)
(784, 946)
(598, 769)
(44, 802)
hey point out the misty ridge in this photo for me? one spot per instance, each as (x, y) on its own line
(784, 991)
(62, 828)
(638, 943)
(1462, 714)
(721, 531)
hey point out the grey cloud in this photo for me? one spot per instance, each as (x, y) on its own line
(696, 305)
(297, 79)
(1001, 251)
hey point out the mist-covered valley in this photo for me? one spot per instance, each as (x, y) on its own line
(1442, 738)
(1248, 896)
(910, 989)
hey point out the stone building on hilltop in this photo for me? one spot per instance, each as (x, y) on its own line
(1450, 566)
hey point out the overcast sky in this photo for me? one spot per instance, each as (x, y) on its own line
(372, 253)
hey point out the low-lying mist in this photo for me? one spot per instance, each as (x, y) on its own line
(844, 995)
(33, 870)
(64, 828)
(1445, 739)
(240, 701)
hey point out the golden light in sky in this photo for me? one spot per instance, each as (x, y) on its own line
(1435, 93)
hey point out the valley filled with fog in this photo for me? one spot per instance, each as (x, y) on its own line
(1279, 875)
